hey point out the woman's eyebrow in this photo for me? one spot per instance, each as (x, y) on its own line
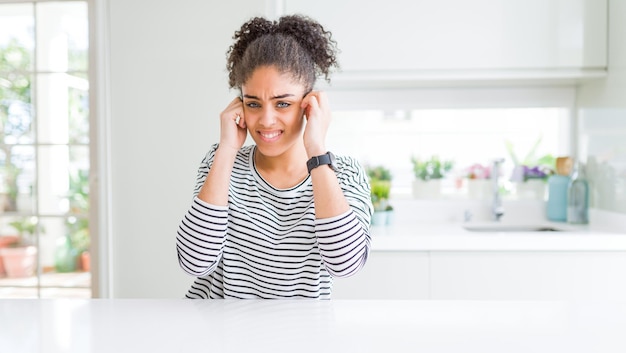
(281, 96)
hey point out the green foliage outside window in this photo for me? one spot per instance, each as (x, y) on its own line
(15, 115)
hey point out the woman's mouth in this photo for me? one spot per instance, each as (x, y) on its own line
(270, 136)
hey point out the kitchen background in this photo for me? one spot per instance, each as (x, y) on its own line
(158, 83)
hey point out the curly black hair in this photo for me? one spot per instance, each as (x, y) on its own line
(295, 44)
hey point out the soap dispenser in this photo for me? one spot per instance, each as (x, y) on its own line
(556, 206)
(578, 196)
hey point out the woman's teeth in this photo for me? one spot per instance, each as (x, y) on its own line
(270, 135)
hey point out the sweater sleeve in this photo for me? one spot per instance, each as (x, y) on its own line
(201, 232)
(344, 244)
(344, 240)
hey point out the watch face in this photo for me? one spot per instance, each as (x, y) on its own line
(333, 162)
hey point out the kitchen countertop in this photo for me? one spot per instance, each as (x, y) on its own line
(154, 325)
(454, 237)
(438, 225)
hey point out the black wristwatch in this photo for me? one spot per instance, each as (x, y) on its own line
(316, 161)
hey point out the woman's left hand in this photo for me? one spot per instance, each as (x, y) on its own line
(317, 113)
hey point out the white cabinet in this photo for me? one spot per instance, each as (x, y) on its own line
(387, 275)
(528, 275)
(488, 275)
(405, 37)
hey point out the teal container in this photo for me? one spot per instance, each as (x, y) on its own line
(556, 207)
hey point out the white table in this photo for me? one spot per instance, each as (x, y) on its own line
(151, 325)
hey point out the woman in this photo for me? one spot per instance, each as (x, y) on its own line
(282, 217)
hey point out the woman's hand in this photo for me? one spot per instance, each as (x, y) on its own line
(317, 112)
(233, 130)
(233, 134)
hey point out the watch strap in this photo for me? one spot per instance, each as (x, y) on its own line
(317, 161)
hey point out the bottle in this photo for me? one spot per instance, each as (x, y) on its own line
(556, 207)
(578, 196)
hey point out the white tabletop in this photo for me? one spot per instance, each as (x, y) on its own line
(310, 326)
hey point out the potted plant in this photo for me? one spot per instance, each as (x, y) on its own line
(20, 257)
(5, 241)
(530, 174)
(73, 251)
(78, 226)
(380, 184)
(428, 174)
(478, 180)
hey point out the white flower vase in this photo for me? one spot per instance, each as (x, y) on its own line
(534, 189)
(479, 189)
(430, 189)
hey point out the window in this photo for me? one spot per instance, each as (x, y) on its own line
(44, 149)
(464, 134)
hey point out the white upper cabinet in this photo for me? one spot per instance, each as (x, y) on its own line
(476, 38)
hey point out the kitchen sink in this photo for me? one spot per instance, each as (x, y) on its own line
(504, 227)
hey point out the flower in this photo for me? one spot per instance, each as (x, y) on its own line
(523, 173)
(477, 171)
(534, 173)
(541, 167)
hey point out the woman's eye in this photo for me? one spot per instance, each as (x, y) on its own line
(283, 104)
(252, 105)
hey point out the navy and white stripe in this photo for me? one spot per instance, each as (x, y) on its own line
(267, 243)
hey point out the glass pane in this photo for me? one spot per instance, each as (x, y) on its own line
(78, 106)
(63, 37)
(78, 194)
(63, 180)
(18, 251)
(17, 41)
(17, 179)
(53, 179)
(16, 115)
(53, 231)
(63, 108)
(63, 246)
(53, 108)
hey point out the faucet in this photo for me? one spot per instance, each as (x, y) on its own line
(497, 211)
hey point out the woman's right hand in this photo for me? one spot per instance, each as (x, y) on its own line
(233, 131)
(233, 134)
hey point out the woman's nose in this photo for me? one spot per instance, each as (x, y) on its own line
(268, 117)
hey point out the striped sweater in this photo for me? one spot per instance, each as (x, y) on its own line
(267, 242)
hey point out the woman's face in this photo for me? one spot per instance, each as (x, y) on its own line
(271, 104)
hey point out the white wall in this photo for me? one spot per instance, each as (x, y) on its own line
(167, 85)
(602, 121)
